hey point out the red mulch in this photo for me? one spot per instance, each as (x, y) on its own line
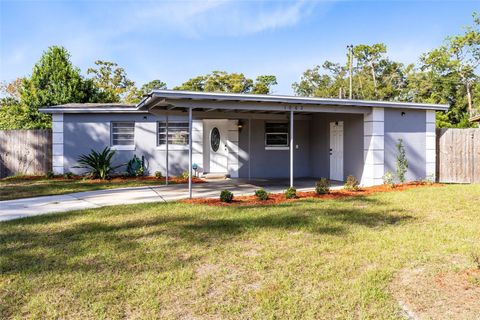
(173, 180)
(280, 197)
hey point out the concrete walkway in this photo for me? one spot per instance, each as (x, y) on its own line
(21, 208)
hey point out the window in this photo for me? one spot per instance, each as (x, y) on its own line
(123, 133)
(177, 133)
(276, 134)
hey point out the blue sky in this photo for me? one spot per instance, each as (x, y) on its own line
(176, 40)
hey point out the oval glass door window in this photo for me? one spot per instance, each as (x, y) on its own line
(215, 139)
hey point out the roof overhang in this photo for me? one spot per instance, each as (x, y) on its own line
(166, 99)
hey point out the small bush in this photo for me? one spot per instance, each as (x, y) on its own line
(430, 179)
(135, 167)
(352, 184)
(322, 186)
(401, 161)
(291, 193)
(158, 175)
(261, 194)
(389, 179)
(226, 196)
(49, 174)
(184, 175)
(68, 175)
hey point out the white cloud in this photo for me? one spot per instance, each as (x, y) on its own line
(219, 18)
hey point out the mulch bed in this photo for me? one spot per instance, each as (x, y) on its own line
(280, 197)
(173, 180)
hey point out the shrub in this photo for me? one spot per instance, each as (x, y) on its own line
(352, 184)
(389, 179)
(158, 175)
(49, 174)
(68, 175)
(402, 162)
(261, 194)
(322, 186)
(135, 167)
(291, 193)
(430, 179)
(99, 164)
(184, 175)
(226, 196)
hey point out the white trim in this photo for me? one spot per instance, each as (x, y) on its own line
(430, 145)
(277, 148)
(123, 148)
(58, 159)
(373, 147)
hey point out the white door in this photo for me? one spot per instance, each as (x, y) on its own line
(336, 150)
(216, 142)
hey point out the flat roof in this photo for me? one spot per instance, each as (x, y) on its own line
(283, 99)
(170, 97)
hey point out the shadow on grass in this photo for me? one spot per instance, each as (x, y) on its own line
(59, 242)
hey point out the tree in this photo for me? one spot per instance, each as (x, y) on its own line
(221, 81)
(111, 80)
(263, 84)
(448, 74)
(369, 57)
(54, 81)
(135, 95)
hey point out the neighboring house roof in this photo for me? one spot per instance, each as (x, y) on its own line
(166, 97)
(92, 108)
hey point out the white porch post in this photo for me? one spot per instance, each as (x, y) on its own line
(190, 152)
(291, 148)
(166, 149)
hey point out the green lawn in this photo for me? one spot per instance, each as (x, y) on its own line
(16, 188)
(311, 259)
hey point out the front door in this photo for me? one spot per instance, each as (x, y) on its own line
(216, 140)
(336, 150)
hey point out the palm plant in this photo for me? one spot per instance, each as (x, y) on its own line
(99, 164)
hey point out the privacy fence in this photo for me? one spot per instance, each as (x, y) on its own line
(458, 155)
(26, 152)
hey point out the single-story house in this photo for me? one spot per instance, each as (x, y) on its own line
(251, 136)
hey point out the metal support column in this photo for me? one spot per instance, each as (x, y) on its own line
(190, 152)
(166, 149)
(291, 148)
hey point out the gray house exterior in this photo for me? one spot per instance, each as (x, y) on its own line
(251, 136)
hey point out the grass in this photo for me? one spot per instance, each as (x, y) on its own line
(311, 259)
(17, 188)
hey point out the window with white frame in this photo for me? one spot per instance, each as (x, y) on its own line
(177, 133)
(123, 133)
(276, 134)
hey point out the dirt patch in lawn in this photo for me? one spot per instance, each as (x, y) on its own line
(278, 198)
(442, 295)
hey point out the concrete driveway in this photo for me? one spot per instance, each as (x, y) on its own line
(21, 208)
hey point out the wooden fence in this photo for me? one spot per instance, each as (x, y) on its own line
(25, 152)
(458, 155)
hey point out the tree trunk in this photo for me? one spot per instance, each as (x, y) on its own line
(469, 98)
(374, 78)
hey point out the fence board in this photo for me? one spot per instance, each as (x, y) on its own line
(458, 155)
(25, 152)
